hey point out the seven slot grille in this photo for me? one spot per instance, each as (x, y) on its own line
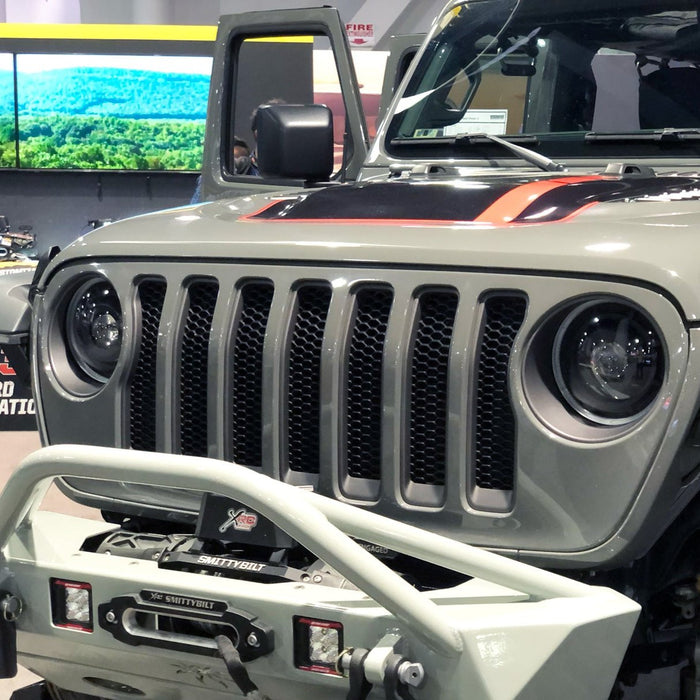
(352, 390)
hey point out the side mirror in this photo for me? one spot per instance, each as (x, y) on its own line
(295, 141)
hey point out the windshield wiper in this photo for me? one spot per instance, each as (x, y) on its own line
(668, 134)
(526, 154)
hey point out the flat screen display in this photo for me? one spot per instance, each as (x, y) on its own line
(107, 112)
(7, 112)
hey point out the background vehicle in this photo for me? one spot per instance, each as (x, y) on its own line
(484, 327)
(15, 245)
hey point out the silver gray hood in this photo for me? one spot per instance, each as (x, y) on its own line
(649, 237)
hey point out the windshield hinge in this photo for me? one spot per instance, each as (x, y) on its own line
(629, 170)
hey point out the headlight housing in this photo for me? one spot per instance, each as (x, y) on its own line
(94, 330)
(608, 361)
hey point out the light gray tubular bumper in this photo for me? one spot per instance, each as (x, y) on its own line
(478, 630)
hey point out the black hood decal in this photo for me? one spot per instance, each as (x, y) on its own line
(502, 201)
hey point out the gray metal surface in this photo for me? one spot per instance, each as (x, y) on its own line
(194, 409)
(456, 622)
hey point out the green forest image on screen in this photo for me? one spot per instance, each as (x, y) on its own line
(105, 112)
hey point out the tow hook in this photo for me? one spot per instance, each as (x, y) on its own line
(381, 666)
(686, 599)
(10, 610)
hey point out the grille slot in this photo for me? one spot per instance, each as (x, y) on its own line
(429, 385)
(247, 373)
(494, 435)
(192, 367)
(364, 366)
(142, 390)
(304, 378)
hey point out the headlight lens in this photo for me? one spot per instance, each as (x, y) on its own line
(94, 329)
(608, 362)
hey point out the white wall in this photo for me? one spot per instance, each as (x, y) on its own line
(389, 17)
(48, 11)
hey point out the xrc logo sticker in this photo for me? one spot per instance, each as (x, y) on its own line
(241, 520)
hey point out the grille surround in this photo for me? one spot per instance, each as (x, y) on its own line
(269, 353)
(559, 460)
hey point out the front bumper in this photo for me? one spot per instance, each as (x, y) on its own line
(511, 631)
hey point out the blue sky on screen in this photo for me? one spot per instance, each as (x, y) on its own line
(36, 63)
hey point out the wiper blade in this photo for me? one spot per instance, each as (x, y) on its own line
(526, 154)
(669, 134)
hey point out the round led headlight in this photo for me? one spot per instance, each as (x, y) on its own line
(608, 361)
(94, 329)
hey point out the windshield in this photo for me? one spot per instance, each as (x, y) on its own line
(566, 77)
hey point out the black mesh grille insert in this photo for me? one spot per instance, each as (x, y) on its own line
(247, 371)
(304, 378)
(494, 438)
(192, 367)
(353, 370)
(142, 391)
(364, 382)
(429, 383)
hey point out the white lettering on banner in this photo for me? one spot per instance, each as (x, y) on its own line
(17, 407)
(7, 389)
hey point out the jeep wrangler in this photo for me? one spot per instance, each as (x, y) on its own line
(416, 419)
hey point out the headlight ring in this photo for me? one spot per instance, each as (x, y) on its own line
(608, 361)
(94, 329)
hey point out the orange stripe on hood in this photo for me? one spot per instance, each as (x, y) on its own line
(509, 206)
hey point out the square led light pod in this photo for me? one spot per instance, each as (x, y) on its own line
(317, 645)
(71, 604)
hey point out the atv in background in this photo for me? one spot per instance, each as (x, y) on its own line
(15, 245)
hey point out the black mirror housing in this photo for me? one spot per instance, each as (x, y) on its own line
(295, 141)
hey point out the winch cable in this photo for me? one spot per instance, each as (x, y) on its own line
(236, 669)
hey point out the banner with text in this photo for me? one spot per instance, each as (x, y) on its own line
(17, 410)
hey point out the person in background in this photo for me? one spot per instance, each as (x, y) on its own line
(242, 165)
(242, 159)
